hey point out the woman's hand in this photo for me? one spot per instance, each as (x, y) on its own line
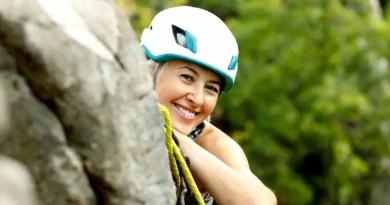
(179, 137)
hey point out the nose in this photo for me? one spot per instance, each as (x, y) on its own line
(196, 96)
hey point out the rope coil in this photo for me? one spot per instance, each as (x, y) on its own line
(181, 174)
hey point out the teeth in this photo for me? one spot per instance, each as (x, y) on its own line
(185, 112)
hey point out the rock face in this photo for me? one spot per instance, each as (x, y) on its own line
(83, 117)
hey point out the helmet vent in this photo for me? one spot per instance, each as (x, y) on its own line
(184, 38)
(179, 35)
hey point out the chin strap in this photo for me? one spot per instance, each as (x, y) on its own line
(196, 132)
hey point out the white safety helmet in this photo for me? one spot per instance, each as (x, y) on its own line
(208, 41)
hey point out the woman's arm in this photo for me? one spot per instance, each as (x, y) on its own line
(224, 171)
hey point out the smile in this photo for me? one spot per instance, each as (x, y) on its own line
(185, 113)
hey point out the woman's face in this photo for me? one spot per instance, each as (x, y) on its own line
(189, 91)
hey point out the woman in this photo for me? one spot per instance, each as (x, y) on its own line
(196, 58)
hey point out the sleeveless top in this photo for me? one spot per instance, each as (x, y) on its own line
(208, 199)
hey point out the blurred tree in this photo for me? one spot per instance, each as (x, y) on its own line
(126, 6)
(225, 9)
(144, 10)
(306, 105)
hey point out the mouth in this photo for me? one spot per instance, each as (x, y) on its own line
(184, 112)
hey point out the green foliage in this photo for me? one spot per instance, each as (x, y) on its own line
(146, 9)
(223, 8)
(310, 104)
(310, 83)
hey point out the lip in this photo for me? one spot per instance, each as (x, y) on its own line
(181, 114)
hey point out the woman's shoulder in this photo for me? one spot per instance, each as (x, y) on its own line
(222, 146)
(214, 138)
(212, 134)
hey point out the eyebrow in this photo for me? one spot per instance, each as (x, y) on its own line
(196, 73)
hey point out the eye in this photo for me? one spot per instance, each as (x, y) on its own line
(212, 88)
(187, 77)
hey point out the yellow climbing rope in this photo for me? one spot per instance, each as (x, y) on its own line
(177, 162)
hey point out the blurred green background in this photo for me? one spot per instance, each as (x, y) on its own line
(311, 102)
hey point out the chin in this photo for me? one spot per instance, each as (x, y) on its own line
(184, 131)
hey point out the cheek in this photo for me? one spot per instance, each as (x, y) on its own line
(161, 87)
(210, 104)
(170, 88)
(167, 91)
(162, 94)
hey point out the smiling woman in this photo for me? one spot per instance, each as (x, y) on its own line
(190, 93)
(196, 58)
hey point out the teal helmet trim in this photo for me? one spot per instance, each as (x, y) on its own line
(227, 81)
(233, 62)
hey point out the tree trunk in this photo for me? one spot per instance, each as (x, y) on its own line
(376, 9)
(84, 119)
(380, 185)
